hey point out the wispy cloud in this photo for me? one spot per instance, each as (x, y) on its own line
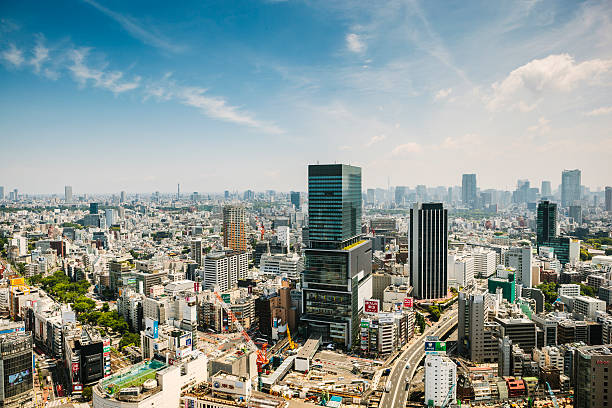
(605, 110)
(41, 54)
(543, 126)
(110, 80)
(443, 94)
(375, 139)
(407, 148)
(355, 43)
(14, 56)
(137, 30)
(554, 73)
(218, 108)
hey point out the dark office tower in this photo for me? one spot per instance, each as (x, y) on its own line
(338, 262)
(546, 189)
(609, 199)
(123, 197)
(226, 194)
(429, 250)
(93, 208)
(295, 199)
(334, 204)
(16, 369)
(468, 190)
(570, 187)
(546, 222)
(575, 212)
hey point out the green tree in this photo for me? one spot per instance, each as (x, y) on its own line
(587, 290)
(105, 307)
(129, 339)
(87, 393)
(420, 320)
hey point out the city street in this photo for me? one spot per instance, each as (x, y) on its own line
(413, 354)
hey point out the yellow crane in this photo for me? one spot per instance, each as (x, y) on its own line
(292, 344)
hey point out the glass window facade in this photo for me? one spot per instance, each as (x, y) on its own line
(334, 202)
(546, 222)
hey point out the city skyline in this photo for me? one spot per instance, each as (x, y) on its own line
(98, 89)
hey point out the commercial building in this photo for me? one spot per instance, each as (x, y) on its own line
(429, 250)
(338, 262)
(570, 187)
(234, 227)
(593, 377)
(290, 266)
(469, 195)
(569, 289)
(476, 337)
(68, 194)
(519, 258)
(546, 221)
(223, 270)
(575, 213)
(588, 306)
(295, 199)
(485, 262)
(16, 369)
(522, 332)
(196, 250)
(609, 199)
(440, 380)
(85, 358)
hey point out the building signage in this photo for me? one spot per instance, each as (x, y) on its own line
(371, 305)
(75, 367)
(408, 302)
(365, 323)
(151, 328)
(435, 347)
(604, 362)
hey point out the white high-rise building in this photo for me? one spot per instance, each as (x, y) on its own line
(460, 270)
(224, 270)
(484, 262)
(68, 194)
(440, 380)
(111, 216)
(281, 264)
(282, 233)
(519, 258)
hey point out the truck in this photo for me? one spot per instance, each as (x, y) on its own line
(388, 386)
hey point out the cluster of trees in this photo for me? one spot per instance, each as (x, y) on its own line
(140, 255)
(72, 224)
(420, 321)
(104, 318)
(598, 242)
(128, 339)
(587, 290)
(60, 287)
(585, 255)
(435, 312)
(550, 294)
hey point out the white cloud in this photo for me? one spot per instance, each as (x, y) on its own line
(375, 139)
(136, 30)
(355, 43)
(13, 56)
(605, 110)
(41, 55)
(443, 94)
(407, 148)
(543, 126)
(558, 72)
(110, 80)
(218, 108)
(345, 148)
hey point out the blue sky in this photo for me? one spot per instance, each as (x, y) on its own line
(111, 95)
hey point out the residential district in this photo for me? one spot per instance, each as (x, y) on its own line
(338, 297)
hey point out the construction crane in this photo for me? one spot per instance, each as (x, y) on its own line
(262, 355)
(552, 395)
(448, 398)
(292, 344)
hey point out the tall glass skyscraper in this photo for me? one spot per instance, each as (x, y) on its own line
(570, 187)
(334, 203)
(468, 190)
(338, 262)
(546, 222)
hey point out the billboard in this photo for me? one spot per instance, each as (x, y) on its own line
(151, 328)
(435, 347)
(365, 323)
(18, 282)
(371, 305)
(408, 302)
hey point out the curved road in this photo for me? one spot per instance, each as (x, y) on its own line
(415, 352)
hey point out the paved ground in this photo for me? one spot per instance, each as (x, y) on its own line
(413, 354)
